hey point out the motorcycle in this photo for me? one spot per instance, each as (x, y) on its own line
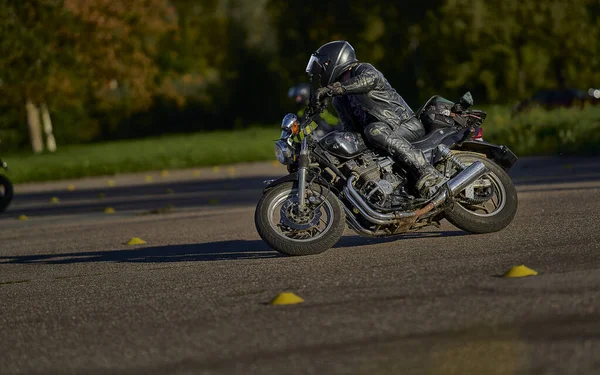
(6, 188)
(340, 180)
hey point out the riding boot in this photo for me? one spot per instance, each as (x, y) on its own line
(428, 178)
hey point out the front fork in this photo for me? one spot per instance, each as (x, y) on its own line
(303, 162)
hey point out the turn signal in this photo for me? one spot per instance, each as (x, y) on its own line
(295, 127)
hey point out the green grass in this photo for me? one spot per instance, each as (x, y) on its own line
(167, 152)
(562, 131)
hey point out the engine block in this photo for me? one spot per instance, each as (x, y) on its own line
(376, 180)
(364, 166)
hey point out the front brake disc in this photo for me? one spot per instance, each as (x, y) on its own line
(298, 221)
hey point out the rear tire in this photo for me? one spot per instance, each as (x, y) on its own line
(468, 220)
(6, 192)
(278, 241)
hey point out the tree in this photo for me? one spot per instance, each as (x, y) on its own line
(60, 51)
(510, 48)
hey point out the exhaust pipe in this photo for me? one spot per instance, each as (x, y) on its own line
(355, 198)
(354, 224)
(372, 215)
(461, 181)
(453, 187)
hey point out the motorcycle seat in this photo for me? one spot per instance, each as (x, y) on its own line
(433, 139)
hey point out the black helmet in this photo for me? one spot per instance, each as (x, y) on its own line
(330, 61)
(300, 93)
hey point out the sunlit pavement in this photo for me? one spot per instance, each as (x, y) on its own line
(75, 298)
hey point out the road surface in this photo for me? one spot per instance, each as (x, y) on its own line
(75, 299)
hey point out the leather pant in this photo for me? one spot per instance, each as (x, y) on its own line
(395, 140)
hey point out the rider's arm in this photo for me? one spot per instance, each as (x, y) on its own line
(363, 82)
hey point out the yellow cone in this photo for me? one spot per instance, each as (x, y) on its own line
(275, 163)
(149, 178)
(520, 271)
(164, 173)
(22, 217)
(109, 210)
(70, 187)
(287, 298)
(136, 241)
(216, 169)
(54, 200)
(111, 183)
(196, 173)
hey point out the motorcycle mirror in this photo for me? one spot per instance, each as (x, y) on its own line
(466, 100)
(464, 103)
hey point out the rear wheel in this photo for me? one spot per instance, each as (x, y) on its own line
(6, 192)
(285, 228)
(489, 204)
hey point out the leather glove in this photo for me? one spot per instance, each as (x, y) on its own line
(322, 93)
(335, 89)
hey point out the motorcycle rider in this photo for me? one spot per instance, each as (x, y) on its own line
(301, 95)
(367, 103)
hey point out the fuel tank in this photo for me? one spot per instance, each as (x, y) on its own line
(343, 144)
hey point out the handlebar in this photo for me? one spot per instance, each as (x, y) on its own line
(314, 108)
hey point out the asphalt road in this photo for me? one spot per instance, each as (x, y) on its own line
(75, 299)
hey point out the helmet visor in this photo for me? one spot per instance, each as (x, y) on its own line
(314, 67)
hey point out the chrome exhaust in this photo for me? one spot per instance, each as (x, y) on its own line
(460, 182)
(362, 204)
(367, 211)
(354, 224)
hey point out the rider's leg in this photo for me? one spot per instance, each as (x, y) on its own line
(381, 135)
(411, 130)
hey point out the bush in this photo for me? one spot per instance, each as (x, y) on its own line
(539, 132)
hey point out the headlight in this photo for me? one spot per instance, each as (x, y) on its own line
(284, 152)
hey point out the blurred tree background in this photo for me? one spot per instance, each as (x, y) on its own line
(91, 70)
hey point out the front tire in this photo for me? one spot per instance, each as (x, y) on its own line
(464, 215)
(280, 235)
(6, 192)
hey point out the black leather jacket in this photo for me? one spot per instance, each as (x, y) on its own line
(369, 89)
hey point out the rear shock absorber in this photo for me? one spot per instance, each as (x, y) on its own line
(446, 153)
(470, 197)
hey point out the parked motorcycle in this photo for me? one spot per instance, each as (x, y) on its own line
(6, 188)
(340, 180)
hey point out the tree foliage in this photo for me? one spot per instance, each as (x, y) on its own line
(139, 67)
(509, 49)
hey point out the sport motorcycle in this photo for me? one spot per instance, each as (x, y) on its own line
(341, 180)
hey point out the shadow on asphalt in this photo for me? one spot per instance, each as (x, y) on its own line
(211, 251)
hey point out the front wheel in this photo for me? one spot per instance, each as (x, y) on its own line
(6, 192)
(489, 204)
(288, 230)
